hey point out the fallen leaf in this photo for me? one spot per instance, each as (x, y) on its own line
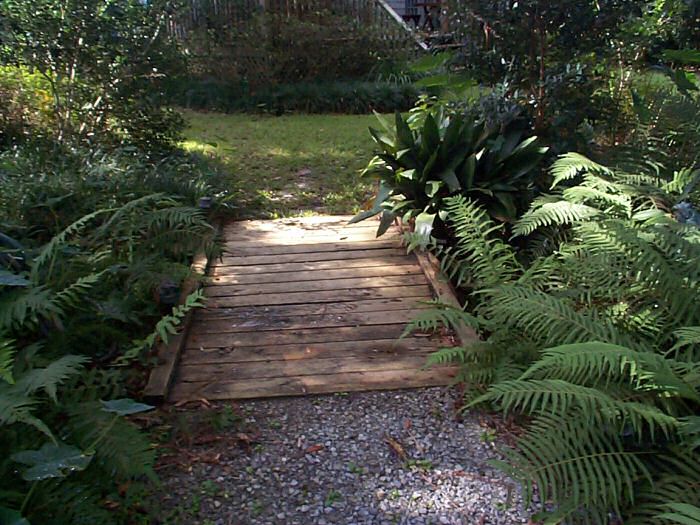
(314, 448)
(396, 447)
(245, 438)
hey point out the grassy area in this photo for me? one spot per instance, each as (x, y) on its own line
(289, 165)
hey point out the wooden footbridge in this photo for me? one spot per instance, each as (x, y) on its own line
(302, 306)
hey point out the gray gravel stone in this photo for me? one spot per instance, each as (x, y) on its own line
(325, 460)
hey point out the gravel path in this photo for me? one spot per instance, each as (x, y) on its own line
(367, 458)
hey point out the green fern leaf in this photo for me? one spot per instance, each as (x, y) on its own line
(51, 376)
(569, 165)
(553, 213)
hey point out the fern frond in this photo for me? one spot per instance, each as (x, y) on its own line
(440, 315)
(165, 327)
(7, 359)
(654, 269)
(123, 451)
(17, 407)
(544, 319)
(688, 338)
(553, 213)
(51, 376)
(569, 165)
(585, 469)
(677, 480)
(592, 406)
(48, 253)
(73, 295)
(681, 513)
(25, 306)
(595, 362)
(478, 255)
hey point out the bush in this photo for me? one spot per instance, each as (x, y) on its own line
(277, 48)
(439, 153)
(323, 97)
(27, 106)
(103, 63)
(591, 334)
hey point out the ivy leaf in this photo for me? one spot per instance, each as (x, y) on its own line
(125, 407)
(51, 461)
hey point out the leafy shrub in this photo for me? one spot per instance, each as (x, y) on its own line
(104, 63)
(443, 154)
(322, 97)
(274, 48)
(592, 334)
(27, 104)
(88, 289)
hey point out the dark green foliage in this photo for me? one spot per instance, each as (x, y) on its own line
(437, 154)
(594, 340)
(102, 62)
(350, 97)
(298, 44)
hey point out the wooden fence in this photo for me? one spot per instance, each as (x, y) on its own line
(232, 15)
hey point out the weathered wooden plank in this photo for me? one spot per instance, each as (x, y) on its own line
(320, 384)
(339, 264)
(444, 291)
(238, 290)
(319, 222)
(238, 249)
(266, 323)
(315, 275)
(310, 335)
(161, 376)
(323, 296)
(300, 367)
(286, 310)
(303, 236)
(252, 260)
(321, 350)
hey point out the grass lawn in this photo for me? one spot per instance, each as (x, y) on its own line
(289, 165)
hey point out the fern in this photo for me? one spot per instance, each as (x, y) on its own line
(585, 469)
(47, 256)
(166, 327)
(569, 165)
(440, 315)
(7, 353)
(122, 451)
(546, 319)
(682, 513)
(593, 333)
(478, 255)
(553, 213)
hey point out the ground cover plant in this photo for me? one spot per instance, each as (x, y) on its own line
(99, 220)
(289, 165)
(591, 335)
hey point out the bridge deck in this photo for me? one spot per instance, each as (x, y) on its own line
(309, 305)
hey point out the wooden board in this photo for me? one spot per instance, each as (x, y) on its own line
(308, 305)
(357, 283)
(300, 367)
(287, 310)
(320, 384)
(324, 296)
(263, 323)
(248, 260)
(321, 350)
(238, 249)
(338, 264)
(315, 275)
